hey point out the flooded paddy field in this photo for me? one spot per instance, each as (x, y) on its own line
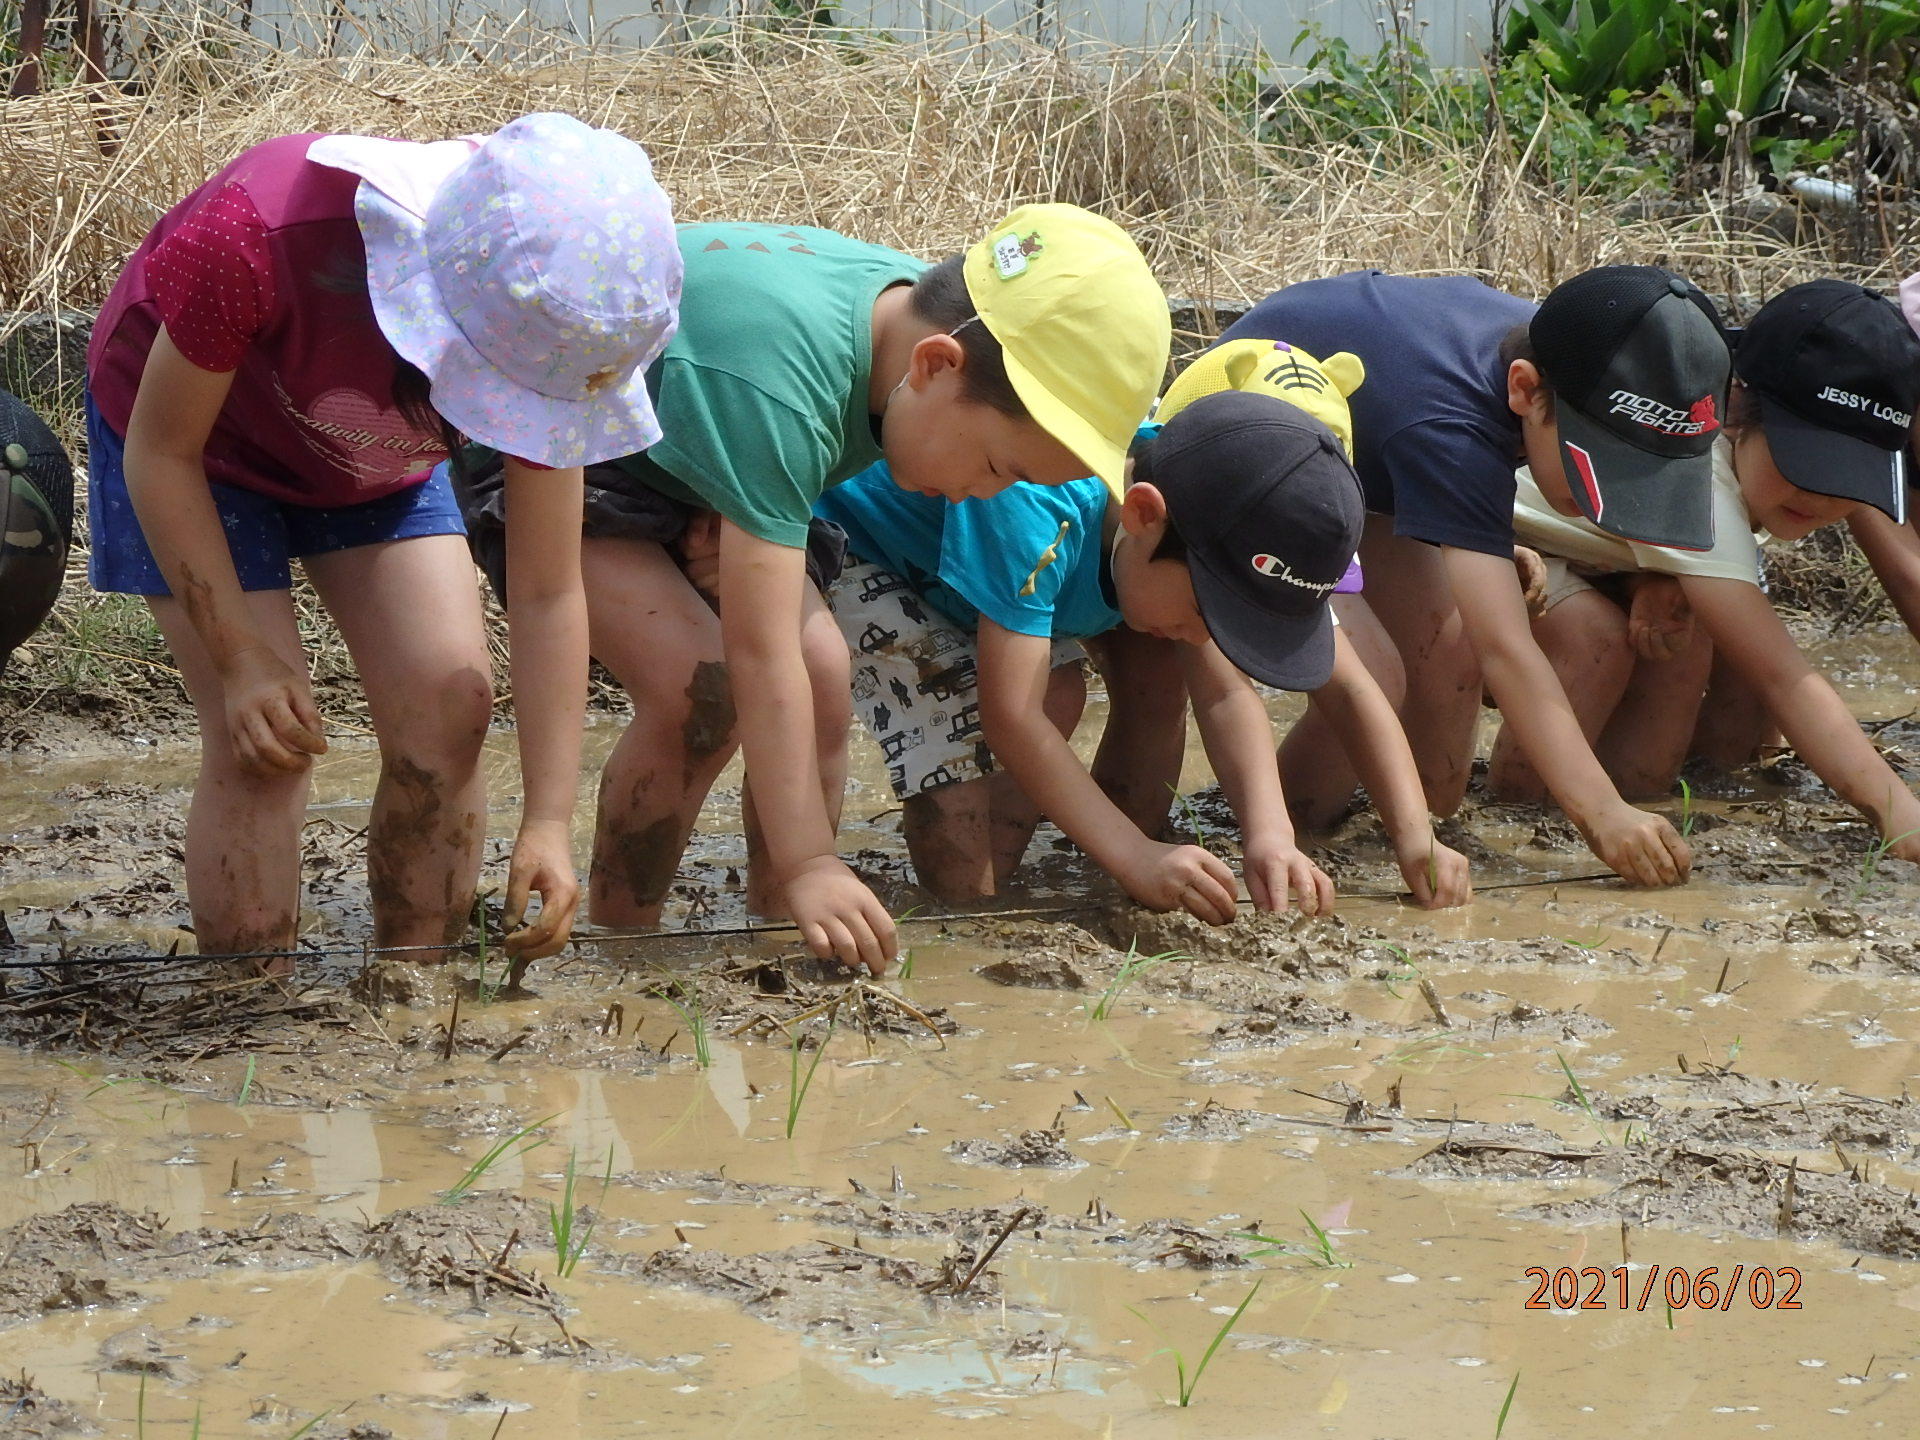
(700, 1185)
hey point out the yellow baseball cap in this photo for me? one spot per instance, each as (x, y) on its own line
(1083, 324)
(1273, 367)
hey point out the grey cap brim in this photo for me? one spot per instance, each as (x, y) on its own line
(1826, 462)
(1288, 652)
(1654, 499)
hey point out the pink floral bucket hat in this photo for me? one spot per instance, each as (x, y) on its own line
(533, 274)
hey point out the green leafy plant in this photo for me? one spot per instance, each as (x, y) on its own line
(1500, 1425)
(1131, 969)
(1686, 808)
(246, 1085)
(477, 1171)
(486, 987)
(1189, 1380)
(798, 1084)
(570, 1236)
(310, 1426)
(1395, 979)
(1870, 864)
(693, 1017)
(1193, 816)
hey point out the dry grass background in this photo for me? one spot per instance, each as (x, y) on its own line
(914, 145)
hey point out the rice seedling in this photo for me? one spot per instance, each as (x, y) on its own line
(570, 1235)
(1394, 980)
(1870, 864)
(1686, 808)
(246, 1085)
(486, 988)
(1429, 1051)
(1131, 969)
(798, 1084)
(1324, 1254)
(140, 1408)
(477, 1171)
(1193, 816)
(1189, 1381)
(693, 1018)
(309, 1427)
(1500, 1425)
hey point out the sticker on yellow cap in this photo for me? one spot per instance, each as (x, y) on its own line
(1011, 253)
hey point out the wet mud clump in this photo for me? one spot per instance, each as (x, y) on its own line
(1031, 1149)
(819, 1288)
(27, 1413)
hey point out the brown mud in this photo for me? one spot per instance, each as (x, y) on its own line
(990, 1189)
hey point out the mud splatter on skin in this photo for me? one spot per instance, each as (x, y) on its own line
(411, 828)
(709, 725)
(639, 864)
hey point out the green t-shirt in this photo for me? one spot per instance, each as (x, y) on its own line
(762, 395)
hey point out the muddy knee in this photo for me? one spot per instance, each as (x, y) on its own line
(708, 726)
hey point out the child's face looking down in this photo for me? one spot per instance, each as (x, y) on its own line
(1156, 596)
(938, 442)
(1782, 508)
(1529, 397)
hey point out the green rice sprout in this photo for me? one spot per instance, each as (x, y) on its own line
(798, 1084)
(1686, 808)
(1325, 1254)
(906, 966)
(570, 1236)
(195, 1435)
(1193, 816)
(140, 1408)
(477, 1171)
(1131, 969)
(1189, 1382)
(307, 1429)
(1500, 1424)
(693, 1017)
(1870, 864)
(246, 1085)
(486, 989)
(1582, 1099)
(1395, 980)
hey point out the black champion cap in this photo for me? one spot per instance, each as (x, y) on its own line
(1271, 513)
(1638, 361)
(1836, 369)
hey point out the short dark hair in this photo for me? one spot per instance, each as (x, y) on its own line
(940, 298)
(1743, 409)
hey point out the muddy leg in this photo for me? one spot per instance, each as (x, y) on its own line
(1144, 745)
(650, 627)
(1318, 778)
(1585, 637)
(243, 830)
(1645, 743)
(1734, 722)
(410, 613)
(949, 832)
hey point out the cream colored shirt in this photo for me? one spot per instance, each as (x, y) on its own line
(1736, 548)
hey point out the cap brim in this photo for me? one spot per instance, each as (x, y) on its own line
(1826, 462)
(1654, 499)
(481, 402)
(1288, 652)
(1102, 456)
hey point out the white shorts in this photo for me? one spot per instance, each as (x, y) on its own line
(915, 679)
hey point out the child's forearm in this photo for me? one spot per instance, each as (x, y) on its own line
(1239, 738)
(1358, 711)
(1817, 723)
(547, 637)
(177, 515)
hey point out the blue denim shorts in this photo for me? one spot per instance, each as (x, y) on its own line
(264, 534)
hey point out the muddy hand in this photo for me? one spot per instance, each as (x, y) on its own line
(1181, 877)
(1438, 876)
(1642, 849)
(840, 916)
(1279, 872)
(542, 865)
(271, 718)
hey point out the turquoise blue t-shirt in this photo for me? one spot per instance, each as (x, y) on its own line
(1029, 559)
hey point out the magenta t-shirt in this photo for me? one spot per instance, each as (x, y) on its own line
(262, 271)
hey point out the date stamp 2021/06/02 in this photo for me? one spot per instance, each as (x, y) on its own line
(1671, 1286)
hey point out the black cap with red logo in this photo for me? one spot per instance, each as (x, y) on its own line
(1638, 361)
(1837, 371)
(1270, 512)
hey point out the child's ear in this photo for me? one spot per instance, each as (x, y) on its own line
(1345, 370)
(933, 354)
(1143, 509)
(1528, 394)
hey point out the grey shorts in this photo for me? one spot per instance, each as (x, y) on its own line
(915, 679)
(618, 506)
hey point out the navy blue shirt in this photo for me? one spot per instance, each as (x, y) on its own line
(1435, 445)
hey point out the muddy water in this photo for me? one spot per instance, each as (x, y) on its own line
(737, 1280)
